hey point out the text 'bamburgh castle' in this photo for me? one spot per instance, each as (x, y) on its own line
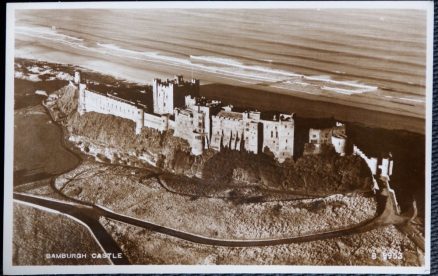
(205, 124)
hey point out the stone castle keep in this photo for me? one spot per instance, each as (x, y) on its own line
(202, 123)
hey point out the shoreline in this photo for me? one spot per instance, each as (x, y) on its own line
(268, 100)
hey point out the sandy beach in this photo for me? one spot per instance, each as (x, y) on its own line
(378, 67)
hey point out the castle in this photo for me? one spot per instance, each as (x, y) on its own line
(202, 123)
(335, 136)
(207, 124)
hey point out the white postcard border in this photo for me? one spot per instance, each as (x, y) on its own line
(8, 268)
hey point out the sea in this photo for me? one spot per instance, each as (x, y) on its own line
(371, 60)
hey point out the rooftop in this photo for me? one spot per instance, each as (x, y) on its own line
(339, 135)
(202, 101)
(230, 115)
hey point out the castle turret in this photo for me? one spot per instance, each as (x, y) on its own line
(372, 164)
(81, 105)
(197, 143)
(139, 122)
(165, 119)
(77, 78)
(386, 166)
(251, 136)
(339, 142)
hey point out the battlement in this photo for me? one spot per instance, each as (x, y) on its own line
(170, 94)
(200, 101)
(178, 80)
(287, 117)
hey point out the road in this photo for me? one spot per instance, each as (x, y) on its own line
(90, 215)
(87, 215)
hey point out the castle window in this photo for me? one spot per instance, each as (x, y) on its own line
(276, 134)
(272, 134)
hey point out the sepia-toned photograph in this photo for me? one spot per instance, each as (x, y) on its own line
(233, 137)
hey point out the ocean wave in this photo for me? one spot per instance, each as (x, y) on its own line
(355, 87)
(27, 30)
(417, 100)
(230, 68)
(234, 63)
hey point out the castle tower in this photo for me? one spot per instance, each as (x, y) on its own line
(339, 142)
(139, 121)
(170, 94)
(197, 143)
(165, 119)
(82, 105)
(372, 164)
(162, 94)
(386, 166)
(251, 136)
(77, 78)
(286, 133)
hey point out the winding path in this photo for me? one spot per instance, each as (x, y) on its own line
(86, 215)
(90, 214)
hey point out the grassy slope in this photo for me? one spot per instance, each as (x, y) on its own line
(135, 193)
(145, 247)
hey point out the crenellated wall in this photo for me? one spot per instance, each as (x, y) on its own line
(90, 101)
(371, 161)
(160, 123)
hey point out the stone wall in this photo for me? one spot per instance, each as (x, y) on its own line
(90, 101)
